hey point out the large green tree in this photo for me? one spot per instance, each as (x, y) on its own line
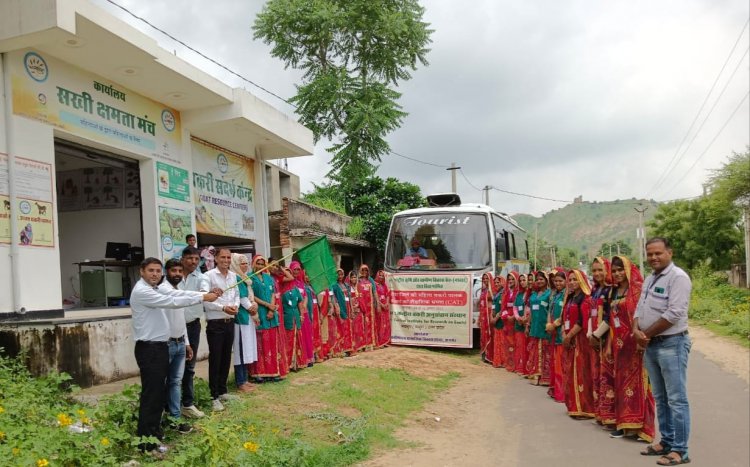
(732, 181)
(701, 231)
(353, 54)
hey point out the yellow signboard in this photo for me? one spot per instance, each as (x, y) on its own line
(33, 184)
(87, 105)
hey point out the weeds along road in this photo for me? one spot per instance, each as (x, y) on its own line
(493, 418)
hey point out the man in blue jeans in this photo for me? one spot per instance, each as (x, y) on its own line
(661, 328)
(192, 280)
(179, 345)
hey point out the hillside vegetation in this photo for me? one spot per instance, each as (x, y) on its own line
(585, 226)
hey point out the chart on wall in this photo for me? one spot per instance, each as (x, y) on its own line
(172, 182)
(33, 184)
(174, 225)
(222, 191)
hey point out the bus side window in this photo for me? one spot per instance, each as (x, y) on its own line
(512, 243)
(527, 249)
(500, 246)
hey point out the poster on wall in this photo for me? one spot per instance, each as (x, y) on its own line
(431, 309)
(174, 225)
(222, 191)
(132, 188)
(87, 105)
(33, 184)
(172, 182)
(102, 188)
(69, 190)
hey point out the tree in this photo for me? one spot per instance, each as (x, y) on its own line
(374, 200)
(701, 231)
(353, 54)
(732, 181)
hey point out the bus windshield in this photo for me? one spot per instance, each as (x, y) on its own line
(439, 241)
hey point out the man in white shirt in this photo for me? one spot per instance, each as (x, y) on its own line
(151, 334)
(220, 326)
(193, 280)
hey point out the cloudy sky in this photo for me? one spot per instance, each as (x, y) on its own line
(550, 98)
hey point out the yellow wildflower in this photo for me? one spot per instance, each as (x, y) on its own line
(105, 441)
(81, 412)
(42, 463)
(250, 446)
(64, 419)
(251, 429)
(85, 420)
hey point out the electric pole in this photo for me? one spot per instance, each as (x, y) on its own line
(453, 169)
(747, 244)
(641, 237)
(486, 190)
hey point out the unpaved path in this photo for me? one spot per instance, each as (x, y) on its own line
(493, 418)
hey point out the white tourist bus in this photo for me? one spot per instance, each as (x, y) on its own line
(435, 284)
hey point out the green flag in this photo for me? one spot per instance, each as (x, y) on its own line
(319, 265)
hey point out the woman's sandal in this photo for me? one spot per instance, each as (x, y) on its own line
(650, 451)
(668, 460)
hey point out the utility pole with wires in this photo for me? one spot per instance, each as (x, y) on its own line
(453, 169)
(486, 190)
(641, 237)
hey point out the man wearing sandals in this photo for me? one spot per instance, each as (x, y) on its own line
(661, 328)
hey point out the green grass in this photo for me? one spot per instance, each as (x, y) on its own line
(330, 415)
(720, 307)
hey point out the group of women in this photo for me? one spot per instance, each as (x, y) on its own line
(561, 331)
(295, 327)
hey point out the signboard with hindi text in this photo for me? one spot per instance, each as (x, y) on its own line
(33, 183)
(223, 191)
(84, 104)
(431, 310)
(172, 182)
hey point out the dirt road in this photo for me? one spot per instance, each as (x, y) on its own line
(493, 418)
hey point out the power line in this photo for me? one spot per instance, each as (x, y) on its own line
(716, 101)
(224, 67)
(530, 196)
(420, 161)
(667, 169)
(468, 181)
(709, 144)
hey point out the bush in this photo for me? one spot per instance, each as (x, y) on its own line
(721, 306)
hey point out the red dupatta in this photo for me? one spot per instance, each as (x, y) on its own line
(509, 294)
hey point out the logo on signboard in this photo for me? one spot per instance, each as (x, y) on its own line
(222, 163)
(36, 67)
(166, 243)
(25, 207)
(168, 120)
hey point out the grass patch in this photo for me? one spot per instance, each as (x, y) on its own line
(329, 415)
(720, 307)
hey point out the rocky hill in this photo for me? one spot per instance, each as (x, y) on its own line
(585, 226)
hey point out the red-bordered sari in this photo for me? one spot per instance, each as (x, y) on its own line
(345, 341)
(579, 395)
(496, 345)
(271, 356)
(602, 366)
(508, 339)
(367, 304)
(634, 402)
(357, 320)
(384, 318)
(520, 314)
(328, 325)
(485, 311)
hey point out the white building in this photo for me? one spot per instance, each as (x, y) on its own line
(107, 138)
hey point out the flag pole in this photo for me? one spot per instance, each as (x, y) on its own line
(250, 276)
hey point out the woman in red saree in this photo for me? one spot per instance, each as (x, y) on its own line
(507, 306)
(328, 325)
(368, 305)
(485, 312)
(537, 348)
(313, 304)
(345, 345)
(497, 344)
(554, 328)
(602, 370)
(384, 319)
(358, 321)
(579, 395)
(634, 403)
(294, 310)
(308, 349)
